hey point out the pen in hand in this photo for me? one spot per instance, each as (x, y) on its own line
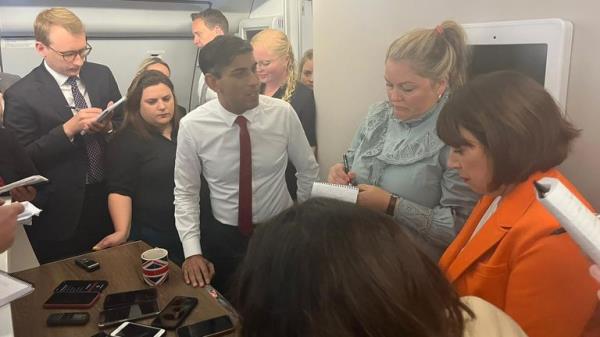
(347, 168)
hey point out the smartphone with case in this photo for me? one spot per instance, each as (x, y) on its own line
(115, 300)
(129, 329)
(128, 313)
(211, 327)
(80, 286)
(71, 300)
(175, 312)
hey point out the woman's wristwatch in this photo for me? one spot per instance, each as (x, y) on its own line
(392, 204)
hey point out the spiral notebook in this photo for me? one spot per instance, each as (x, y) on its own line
(346, 193)
(575, 218)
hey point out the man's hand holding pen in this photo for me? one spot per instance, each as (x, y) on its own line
(84, 121)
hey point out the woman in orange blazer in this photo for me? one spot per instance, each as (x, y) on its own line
(506, 131)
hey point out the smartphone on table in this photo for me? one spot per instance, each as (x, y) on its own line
(128, 313)
(80, 286)
(211, 327)
(175, 312)
(129, 329)
(115, 300)
(65, 300)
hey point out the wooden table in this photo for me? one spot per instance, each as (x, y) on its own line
(121, 267)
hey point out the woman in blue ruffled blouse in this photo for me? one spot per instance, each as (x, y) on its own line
(396, 156)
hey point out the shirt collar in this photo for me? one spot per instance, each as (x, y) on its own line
(230, 117)
(59, 78)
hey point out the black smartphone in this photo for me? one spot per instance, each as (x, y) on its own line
(68, 318)
(72, 300)
(128, 313)
(212, 327)
(87, 264)
(101, 334)
(129, 297)
(80, 286)
(175, 312)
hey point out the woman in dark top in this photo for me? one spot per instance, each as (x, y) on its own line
(15, 165)
(276, 69)
(141, 160)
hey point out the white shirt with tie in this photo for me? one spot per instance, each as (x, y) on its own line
(65, 88)
(208, 143)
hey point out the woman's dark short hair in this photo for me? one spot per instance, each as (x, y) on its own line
(220, 52)
(133, 118)
(516, 120)
(330, 268)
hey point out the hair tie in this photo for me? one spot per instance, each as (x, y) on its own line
(439, 29)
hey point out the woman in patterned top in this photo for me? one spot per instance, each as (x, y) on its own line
(396, 156)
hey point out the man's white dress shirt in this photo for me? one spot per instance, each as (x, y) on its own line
(205, 93)
(208, 143)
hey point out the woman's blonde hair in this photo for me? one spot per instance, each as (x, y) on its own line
(437, 54)
(150, 61)
(278, 43)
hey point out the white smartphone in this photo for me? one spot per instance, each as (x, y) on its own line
(129, 329)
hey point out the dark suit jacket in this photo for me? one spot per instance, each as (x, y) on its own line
(35, 110)
(14, 161)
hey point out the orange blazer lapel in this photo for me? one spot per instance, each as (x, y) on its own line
(462, 253)
(487, 237)
(465, 233)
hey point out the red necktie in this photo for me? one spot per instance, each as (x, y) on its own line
(245, 194)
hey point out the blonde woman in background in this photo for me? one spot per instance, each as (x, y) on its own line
(396, 156)
(276, 69)
(158, 64)
(306, 69)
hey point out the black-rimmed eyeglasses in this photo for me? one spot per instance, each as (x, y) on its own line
(70, 56)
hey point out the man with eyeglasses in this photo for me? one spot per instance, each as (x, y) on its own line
(53, 112)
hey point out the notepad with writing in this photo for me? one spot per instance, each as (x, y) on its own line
(574, 217)
(346, 193)
(12, 288)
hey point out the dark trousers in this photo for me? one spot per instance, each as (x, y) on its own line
(291, 181)
(225, 247)
(94, 224)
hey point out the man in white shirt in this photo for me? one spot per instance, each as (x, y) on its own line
(240, 143)
(207, 25)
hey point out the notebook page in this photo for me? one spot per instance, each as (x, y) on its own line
(12, 288)
(32, 180)
(346, 193)
(576, 219)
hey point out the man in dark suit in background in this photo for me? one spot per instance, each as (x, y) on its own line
(53, 112)
(6, 80)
